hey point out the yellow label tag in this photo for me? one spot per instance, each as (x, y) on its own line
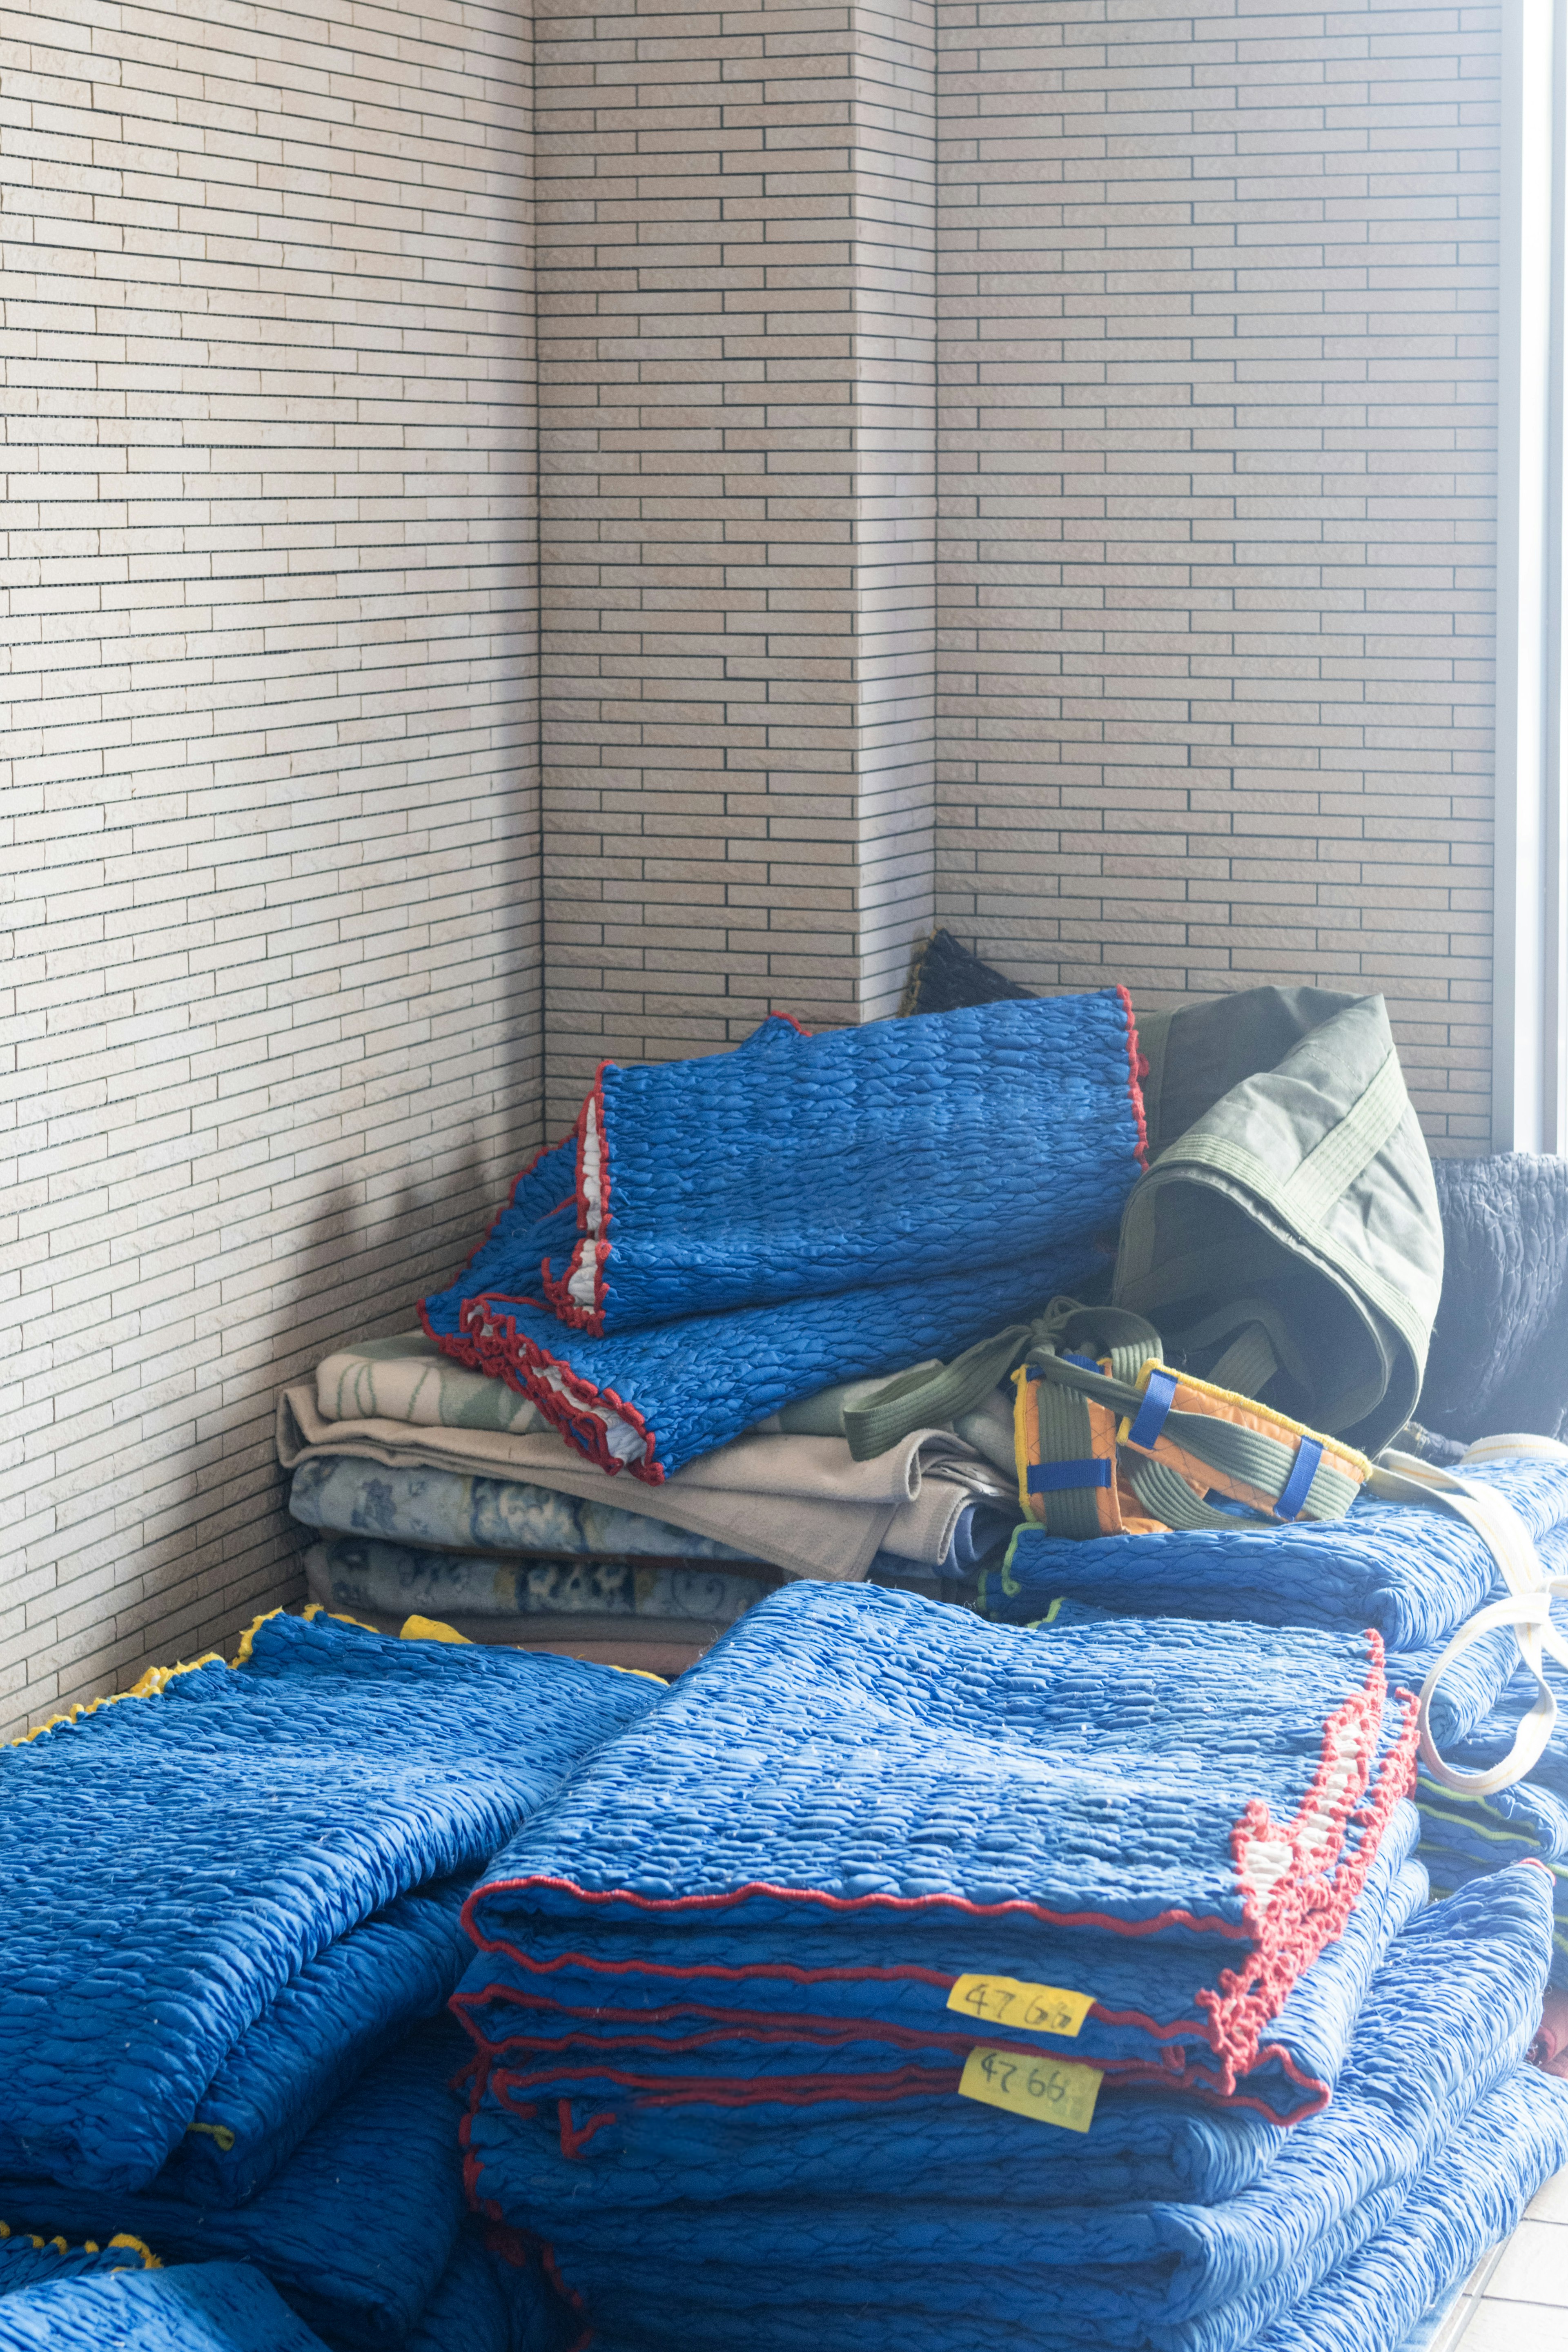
(1048, 2090)
(1004, 2001)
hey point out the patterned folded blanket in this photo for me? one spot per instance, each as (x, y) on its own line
(352, 1572)
(450, 1512)
(355, 2230)
(853, 1765)
(569, 2023)
(686, 1233)
(213, 2307)
(1447, 2016)
(1415, 1575)
(258, 1813)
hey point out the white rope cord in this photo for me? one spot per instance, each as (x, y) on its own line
(1527, 1610)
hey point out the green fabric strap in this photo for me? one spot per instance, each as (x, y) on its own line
(929, 1399)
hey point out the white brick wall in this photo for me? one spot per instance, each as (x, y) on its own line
(736, 242)
(269, 831)
(1217, 315)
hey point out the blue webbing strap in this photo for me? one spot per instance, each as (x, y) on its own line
(1152, 1411)
(1303, 1470)
(1052, 1478)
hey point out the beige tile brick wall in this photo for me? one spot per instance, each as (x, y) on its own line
(268, 819)
(736, 369)
(1217, 308)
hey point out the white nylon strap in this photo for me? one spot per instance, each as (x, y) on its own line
(1401, 1478)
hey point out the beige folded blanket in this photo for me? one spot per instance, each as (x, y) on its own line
(803, 1503)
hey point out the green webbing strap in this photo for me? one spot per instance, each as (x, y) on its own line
(1166, 1495)
(929, 1399)
(1065, 1436)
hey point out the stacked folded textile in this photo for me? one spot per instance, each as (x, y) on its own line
(719, 1237)
(248, 2039)
(752, 1990)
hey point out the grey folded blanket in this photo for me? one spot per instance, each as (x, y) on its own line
(1499, 1357)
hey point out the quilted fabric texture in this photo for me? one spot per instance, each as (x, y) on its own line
(1471, 2194)
(709, 1276)
(259, 1814)
(1448, 2014)
(979, 1137)
(386, 2151)
(1499, 1357)
(1414, 1575)
(213, 2307)
(492, 2297)
(342, 2008)
(554, 2028)
(651, 1399)
(28, 2261)
(905, 1787)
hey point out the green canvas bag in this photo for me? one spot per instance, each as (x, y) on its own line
(1286, 1240)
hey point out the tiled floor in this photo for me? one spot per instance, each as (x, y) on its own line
(1517, 2301)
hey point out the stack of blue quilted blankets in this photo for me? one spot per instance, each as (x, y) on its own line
(230, 1909)
(897, 1980)
(719, 1238)
(1416, 1576)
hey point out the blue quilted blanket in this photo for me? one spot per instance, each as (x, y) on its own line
(29, 2261)
(259, 1815)
(355, 2230)
(721, 1236)
(215, 2307)
(903, 1788)
(342, 2010)
(1471, 2195)
(1415, 1575)
(565, 2025)
(1447, 2016)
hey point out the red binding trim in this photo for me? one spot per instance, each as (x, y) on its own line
(589, 1245)
(491, 1342)
(572, 2140)
(1137, 1071)
(1201, 1923)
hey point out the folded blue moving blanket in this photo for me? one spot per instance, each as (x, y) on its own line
(356, 1573)
(1415, 1575)
(259, 1815)
(213, 2307)
(565, 2026)
(749, 1228)
(1472, 2194)
(493, 2297)
(544, 2134)
(983, 1136)
(1448, 2016)
(29, 2261)
(355, 2230)
(342, 2010)
(865, 1767)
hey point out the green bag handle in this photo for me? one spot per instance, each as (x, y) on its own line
(930, 1399)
